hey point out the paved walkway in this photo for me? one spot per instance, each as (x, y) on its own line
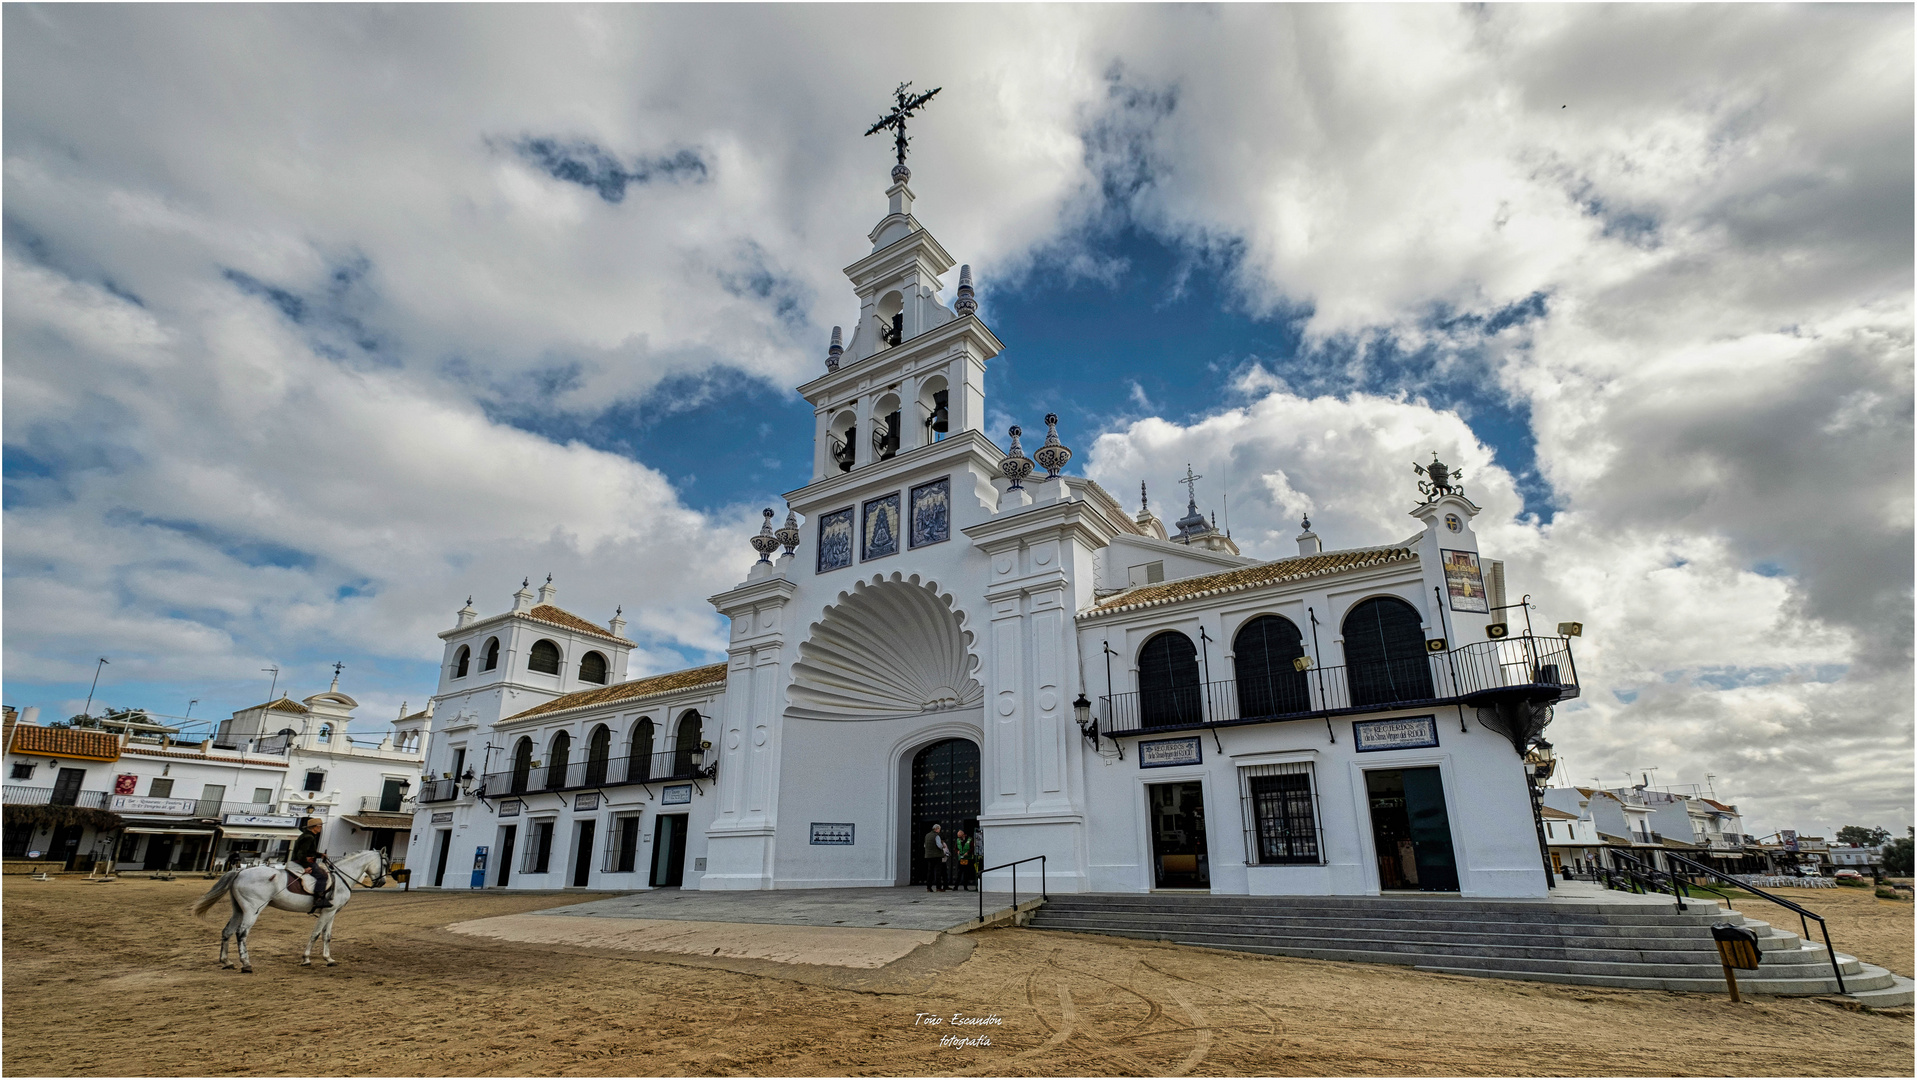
(895, 908)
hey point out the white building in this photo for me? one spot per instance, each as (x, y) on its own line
(952, 637)
(360, 788)
(1573, 840)
(1622, 823)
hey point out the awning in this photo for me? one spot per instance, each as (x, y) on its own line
(167, 832)
(259, 834)
(378, 820)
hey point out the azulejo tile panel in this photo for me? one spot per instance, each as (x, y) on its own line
(932, 512)
(835, 540)
(881, 527)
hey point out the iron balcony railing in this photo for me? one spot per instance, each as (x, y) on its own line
(688, 764)
(381, 804)
(1475, 672)
(19, 795)
(445, 790)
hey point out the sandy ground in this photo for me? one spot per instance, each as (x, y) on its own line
(116, 979)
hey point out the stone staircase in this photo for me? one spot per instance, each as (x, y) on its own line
(1616, 940)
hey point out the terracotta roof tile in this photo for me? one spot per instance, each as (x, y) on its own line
(1554, 812)
(66, 742)
(558, 616)
(1293, 569)
(284, 704)
(656, 684)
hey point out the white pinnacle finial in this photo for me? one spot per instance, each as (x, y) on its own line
(967, 301)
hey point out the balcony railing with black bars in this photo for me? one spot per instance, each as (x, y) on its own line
(21, 795)
(1472, 674)
(688, 764)
(445, 789)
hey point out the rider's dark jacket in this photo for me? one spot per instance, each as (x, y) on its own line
(305, 846)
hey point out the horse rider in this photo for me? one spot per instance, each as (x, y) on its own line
(307, 855)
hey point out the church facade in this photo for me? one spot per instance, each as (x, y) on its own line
(947, 630)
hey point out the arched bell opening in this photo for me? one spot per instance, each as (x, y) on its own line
(891, 316)
(935, 408)
(840, 435)
(885, 427)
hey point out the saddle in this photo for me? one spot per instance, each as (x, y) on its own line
(299, 883)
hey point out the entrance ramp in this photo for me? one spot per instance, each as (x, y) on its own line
(1586, 938)
(899, 908)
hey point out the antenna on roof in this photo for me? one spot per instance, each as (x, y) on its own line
(270, 694)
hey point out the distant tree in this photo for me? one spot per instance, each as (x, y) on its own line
(1859, 836)
(1897, 855)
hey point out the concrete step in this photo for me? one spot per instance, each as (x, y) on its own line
(1902, 993)
(1869, 979)
(1626, 946)
(1406, 930)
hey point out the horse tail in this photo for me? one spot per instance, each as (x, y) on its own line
(220, 888)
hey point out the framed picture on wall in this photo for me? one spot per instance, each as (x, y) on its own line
(881, 536)
(932, 512)
(835, 540)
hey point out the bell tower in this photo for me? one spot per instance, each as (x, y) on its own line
(913, 371)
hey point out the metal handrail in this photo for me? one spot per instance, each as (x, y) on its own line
(1043, 894)
(1803, 913)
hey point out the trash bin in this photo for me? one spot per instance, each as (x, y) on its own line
(1736, 948)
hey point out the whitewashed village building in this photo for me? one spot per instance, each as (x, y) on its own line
(151, 801)
(963, 634)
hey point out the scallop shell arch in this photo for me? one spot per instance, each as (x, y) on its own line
(888, 648)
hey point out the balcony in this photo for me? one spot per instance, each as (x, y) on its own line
(19, 795)
(1478, 674)
(381, 804)
(433, 791)
(613, 772)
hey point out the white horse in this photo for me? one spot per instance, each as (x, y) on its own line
(251, 890)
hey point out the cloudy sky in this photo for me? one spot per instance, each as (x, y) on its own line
(320, 318)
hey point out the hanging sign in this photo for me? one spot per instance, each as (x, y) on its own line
(677, 794)
(1465, 581)
(125, 784)
(1160, 753)
(510, 808)
(262, 821)
(586, 800)
(832, 833)
(147, 804)
(1408, 733)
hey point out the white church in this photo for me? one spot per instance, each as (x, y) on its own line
(963, 634)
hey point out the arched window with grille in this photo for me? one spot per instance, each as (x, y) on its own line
(1385, 660)
(522, 765)
(1269, 683)
(1168, 681)
(685, 748)
(598, 754)
(639, 757)
(592, 668)
(544, 656)
(461, 661)
(492, 655)
(557, 759)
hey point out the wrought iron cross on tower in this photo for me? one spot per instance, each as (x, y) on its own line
(1191, 488)
(895, 120)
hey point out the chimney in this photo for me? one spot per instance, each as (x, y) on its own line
(523, 599)
(548, 591)
(466, 614)
(618, 623)
(1308, 543)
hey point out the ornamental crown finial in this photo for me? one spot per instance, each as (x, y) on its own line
(967, 301)
(788, 533)
(1444, 480)
(765, 543)
(1053, 455)
(1015, 465)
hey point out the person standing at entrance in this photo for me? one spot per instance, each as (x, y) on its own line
(964, 847)
(935, 852)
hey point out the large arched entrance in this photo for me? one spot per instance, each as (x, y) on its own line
(945, 780)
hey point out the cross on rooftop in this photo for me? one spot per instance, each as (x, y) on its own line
(907, 105)
(1191, 487)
